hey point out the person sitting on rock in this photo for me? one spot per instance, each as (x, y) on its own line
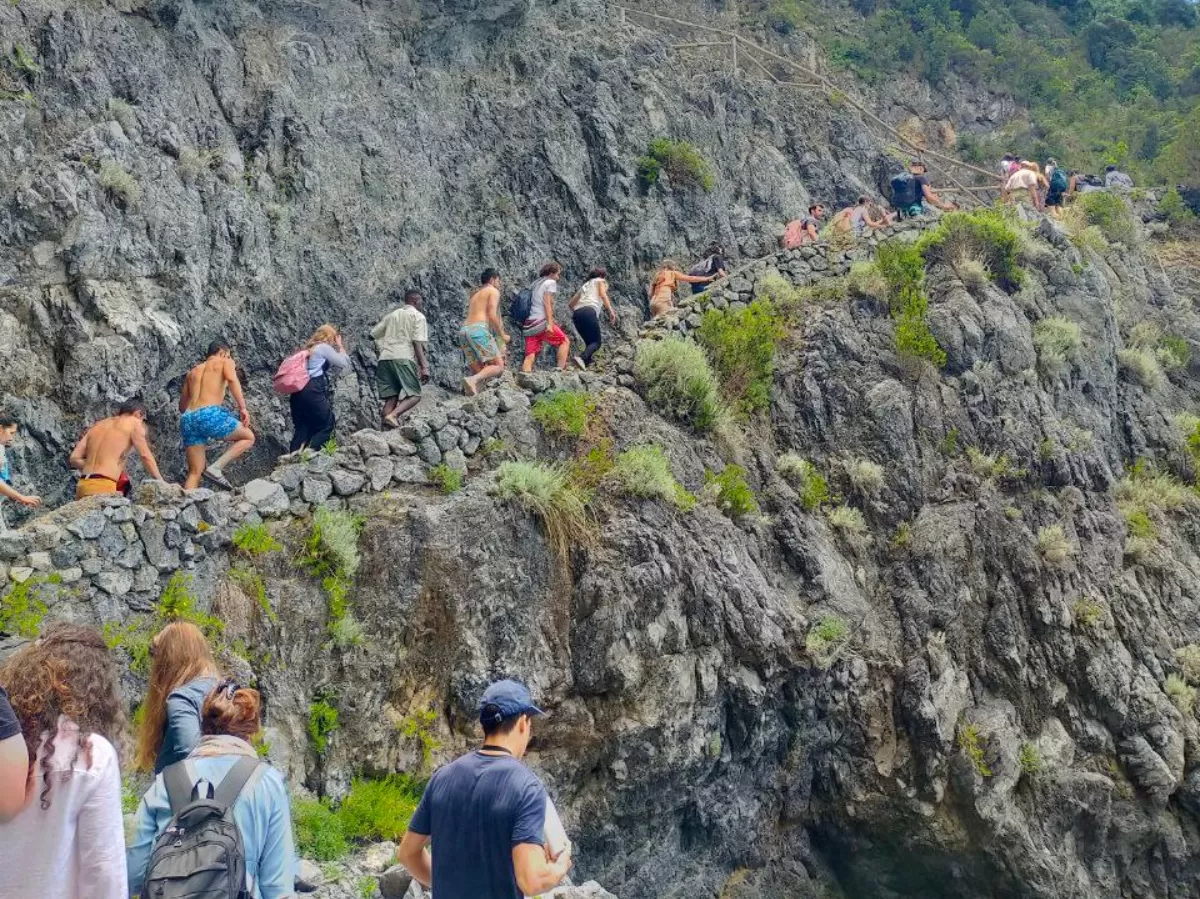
(664, 284)
(540, 328)
(204, 417)
(182, 673)
(859, 217)
(485, 813)
(483, 338)
(804, 229)
(1115, 179)
(713, 264)
(68, 840)
(312, 405)
(401, 337)
(8, 433)
(101, 453)
(261, 810)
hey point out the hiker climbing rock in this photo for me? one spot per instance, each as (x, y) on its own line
(8, 433)
(539, 327)
(205, 417)
(482, 338)
(664, 284)
(712, 264)
(101, 453)
(401, 337)
(585, 307)
(859, 217)
(1027, 177)
(1059, 184)
(911, 191)
(323, 356)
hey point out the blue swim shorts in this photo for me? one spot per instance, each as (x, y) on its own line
(199, 426)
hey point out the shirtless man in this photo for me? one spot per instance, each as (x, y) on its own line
(205, 417)
(479, 334)
(101, 452)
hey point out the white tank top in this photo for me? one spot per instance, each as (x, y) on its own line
(589, 295)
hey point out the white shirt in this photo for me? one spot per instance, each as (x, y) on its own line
(76, 848)
(1023, 179)
(547, 287)
(589, 295)
(396, 333)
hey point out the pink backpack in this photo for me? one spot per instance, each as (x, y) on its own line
(292, 376)
(793, 236)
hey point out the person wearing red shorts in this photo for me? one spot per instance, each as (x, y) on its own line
(540, 328)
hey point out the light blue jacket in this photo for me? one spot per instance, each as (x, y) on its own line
(263, 815)
(182, 730)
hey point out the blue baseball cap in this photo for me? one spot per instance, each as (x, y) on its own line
(506, 699)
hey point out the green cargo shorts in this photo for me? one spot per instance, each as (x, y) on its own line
(397, 377)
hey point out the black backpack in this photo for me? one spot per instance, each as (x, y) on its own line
(521, 304)
(702, 269)
(201, 851)
(904, 190)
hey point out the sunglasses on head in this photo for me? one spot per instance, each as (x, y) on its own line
(229, 687)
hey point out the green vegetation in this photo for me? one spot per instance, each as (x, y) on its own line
(21, 607)
(730, 491)
(255, 540)
(589, 471)
(1057, 340)
(319, 832)
(1088, 612)
(419, 726)
(779, 294)
(448, 480)
(949, 444)
(867, 280)
(903, 268)
(1110, 213)
(331, 553)
(330, 446)
(970, 741)
(366, 886)
(1053, 544)
(1144, 495)
(867, 477)
(119, 182)
(23, 62)
(645, 472)
(679, 382)
(131, 796)
(809, 483)
(1188, 659)
(547, 492)
(123, 113)
(564, 413)
(903, 536)
(741, 344)
(1181, 694)
(262, 746)
(1174, 209)
(1030, 760)
(826, 639)
(679, 161)
(254, 585)
(986, 239)
(989, 467)
(322, 721)
(377, 810)
(848, 520)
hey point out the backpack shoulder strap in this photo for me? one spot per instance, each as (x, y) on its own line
(235, 781)
(179, 786)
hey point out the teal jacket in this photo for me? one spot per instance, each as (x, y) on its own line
(263, 815)
(182, 731)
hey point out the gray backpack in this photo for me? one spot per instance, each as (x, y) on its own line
(200, 855)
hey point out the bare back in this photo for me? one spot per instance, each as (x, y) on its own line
(107, 443)
(205, 384)
(482, 306)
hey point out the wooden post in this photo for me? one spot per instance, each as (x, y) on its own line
(735, 54)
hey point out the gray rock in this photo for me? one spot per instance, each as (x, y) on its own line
(409, 471)
(316, 489)
(378, 857)
(394, 882)
(19, 574)
(266, 497)
(70, 575)
(399, 444)
(415, 429)
(429, 452)
(43, 537)
(447, 437)
(348, 483)
(14, 544)
(39, 561)
(158, 493)
(455, 460)
(379, 473)
(115, 581)
(308, 877)
(371, 443)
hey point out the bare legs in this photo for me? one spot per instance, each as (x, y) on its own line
(482, 374)
(396, 408)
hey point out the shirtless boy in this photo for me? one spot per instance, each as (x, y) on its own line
(205, 417)
(479, 334)
(101, 452)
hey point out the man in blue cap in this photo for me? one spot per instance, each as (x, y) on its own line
(486, 812)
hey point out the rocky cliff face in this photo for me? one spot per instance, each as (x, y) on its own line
(995, 719)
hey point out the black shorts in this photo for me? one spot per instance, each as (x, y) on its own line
(1054, 198)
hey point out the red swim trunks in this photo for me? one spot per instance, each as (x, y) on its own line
(554, 336)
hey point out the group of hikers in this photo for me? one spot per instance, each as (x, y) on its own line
(1052, 187)
(216, 820)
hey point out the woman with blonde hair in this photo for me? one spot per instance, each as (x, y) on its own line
(664, 284)
(68, 840)
(312, 407)
(182, 672)
(230, 718)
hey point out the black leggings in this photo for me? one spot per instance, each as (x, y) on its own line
(312, 415)
(587, 323)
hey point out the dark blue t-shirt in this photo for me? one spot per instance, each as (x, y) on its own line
(475, 811)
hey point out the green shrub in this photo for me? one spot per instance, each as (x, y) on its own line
(732, 494)
(319, 832)
(322, 722)
(949, 444)
(1173, 352)
(989, 467)
(1138, 523)
(986, 239)
(809, 483)
(255, 539)
(868, 477)
(564, 413)
(903, 268)
(22, 609)
(1174, 209)
(419, 726)
(1057, 340)
(645, 471)
(1053, 544)
(448, 480)
(903, 536)
(589, 471)
(376, 810)
(681, 162)
(848, 520)
(1188, 659)
(866, 280)
(678, 381)
(123, 113)
(742, 346)
(1030, 759)
(1143, 487)
(332, 547)
(119, 182)
(1181, 694)
(1110, 213)
(970, 741)
(23, 61)
(826, 639)
(366, 886)
(1088, 612)
(780, 294)
(345, 631)
(546, 491)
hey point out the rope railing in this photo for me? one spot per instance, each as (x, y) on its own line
(742, 48)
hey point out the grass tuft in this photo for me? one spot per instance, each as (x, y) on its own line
(376, 810)
(1181, 694)
(809, 483)
(970, 741)
(119, 183)
(1188, 659)
(1030, 759)
(1053, 544)
(868, 477)
(645, 472)
(730, 491)
(546, 491)
(1057, 340)
(563, 413)
(847, 519)
(741, 344)
(679, 382)
(448, 480)
(255, 540)
(826, 639)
